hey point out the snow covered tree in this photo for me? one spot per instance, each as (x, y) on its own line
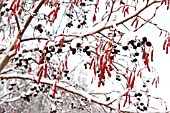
(79, 56)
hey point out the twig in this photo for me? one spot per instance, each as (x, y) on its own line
(27, 39)
(113, 2)
(17, 22)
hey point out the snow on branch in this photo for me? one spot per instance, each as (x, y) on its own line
(63, 87)
(106, 25)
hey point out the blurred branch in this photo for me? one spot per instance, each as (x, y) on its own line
(15, 90)
(27, 39)
(1, 4)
